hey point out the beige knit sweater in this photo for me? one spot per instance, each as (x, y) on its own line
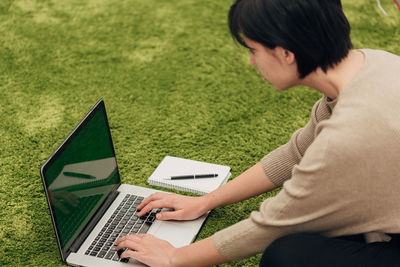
(340, 173)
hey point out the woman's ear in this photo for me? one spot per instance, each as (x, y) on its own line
(286, 55)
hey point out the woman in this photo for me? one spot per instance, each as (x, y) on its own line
(339, 203)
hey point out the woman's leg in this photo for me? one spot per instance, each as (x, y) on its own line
(308, 249)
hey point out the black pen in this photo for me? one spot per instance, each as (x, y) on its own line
(193, 176)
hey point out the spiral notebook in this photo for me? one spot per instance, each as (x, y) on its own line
(173, 166)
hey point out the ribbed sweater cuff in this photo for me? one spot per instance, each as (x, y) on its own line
(233, 242)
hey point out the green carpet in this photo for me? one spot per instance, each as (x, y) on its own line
(173, 81)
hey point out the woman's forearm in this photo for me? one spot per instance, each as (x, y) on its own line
(201, 253)
(250, 183)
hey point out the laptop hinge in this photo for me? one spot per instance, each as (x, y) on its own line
(92, 223)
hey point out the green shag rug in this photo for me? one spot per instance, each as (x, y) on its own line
(173, 81)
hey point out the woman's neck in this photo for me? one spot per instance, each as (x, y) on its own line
(336, 79)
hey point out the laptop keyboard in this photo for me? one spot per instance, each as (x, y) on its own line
(124, 221)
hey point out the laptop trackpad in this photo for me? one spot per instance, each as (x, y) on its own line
(178, 233)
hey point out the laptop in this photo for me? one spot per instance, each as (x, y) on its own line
(89, 206)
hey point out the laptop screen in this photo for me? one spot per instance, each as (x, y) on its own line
(80, 175)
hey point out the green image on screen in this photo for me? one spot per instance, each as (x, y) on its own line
(81, 177)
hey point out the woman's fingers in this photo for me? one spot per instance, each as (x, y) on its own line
(145, 248)
(128, 243)
(183, 207)
(132, 254)
(166, 215)
(170, 215)
(149, 199)
(159, 201)
(152, 198)
(153, 205)
(132, 237)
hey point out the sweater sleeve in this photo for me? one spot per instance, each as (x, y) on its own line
(307, 202)
(278, 164)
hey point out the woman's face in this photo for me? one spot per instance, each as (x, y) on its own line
(277, 66)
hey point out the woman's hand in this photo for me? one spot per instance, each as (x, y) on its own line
(147, 249)
(184, 207)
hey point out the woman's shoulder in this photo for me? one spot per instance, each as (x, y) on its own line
(377, 54)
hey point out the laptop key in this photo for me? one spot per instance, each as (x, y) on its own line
(109, 255)
(144, 228)
(116, 257)
(134, 230)
(102, 254)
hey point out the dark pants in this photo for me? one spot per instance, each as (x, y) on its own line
(306, 249)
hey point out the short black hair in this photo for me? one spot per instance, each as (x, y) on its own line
(316, 31)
